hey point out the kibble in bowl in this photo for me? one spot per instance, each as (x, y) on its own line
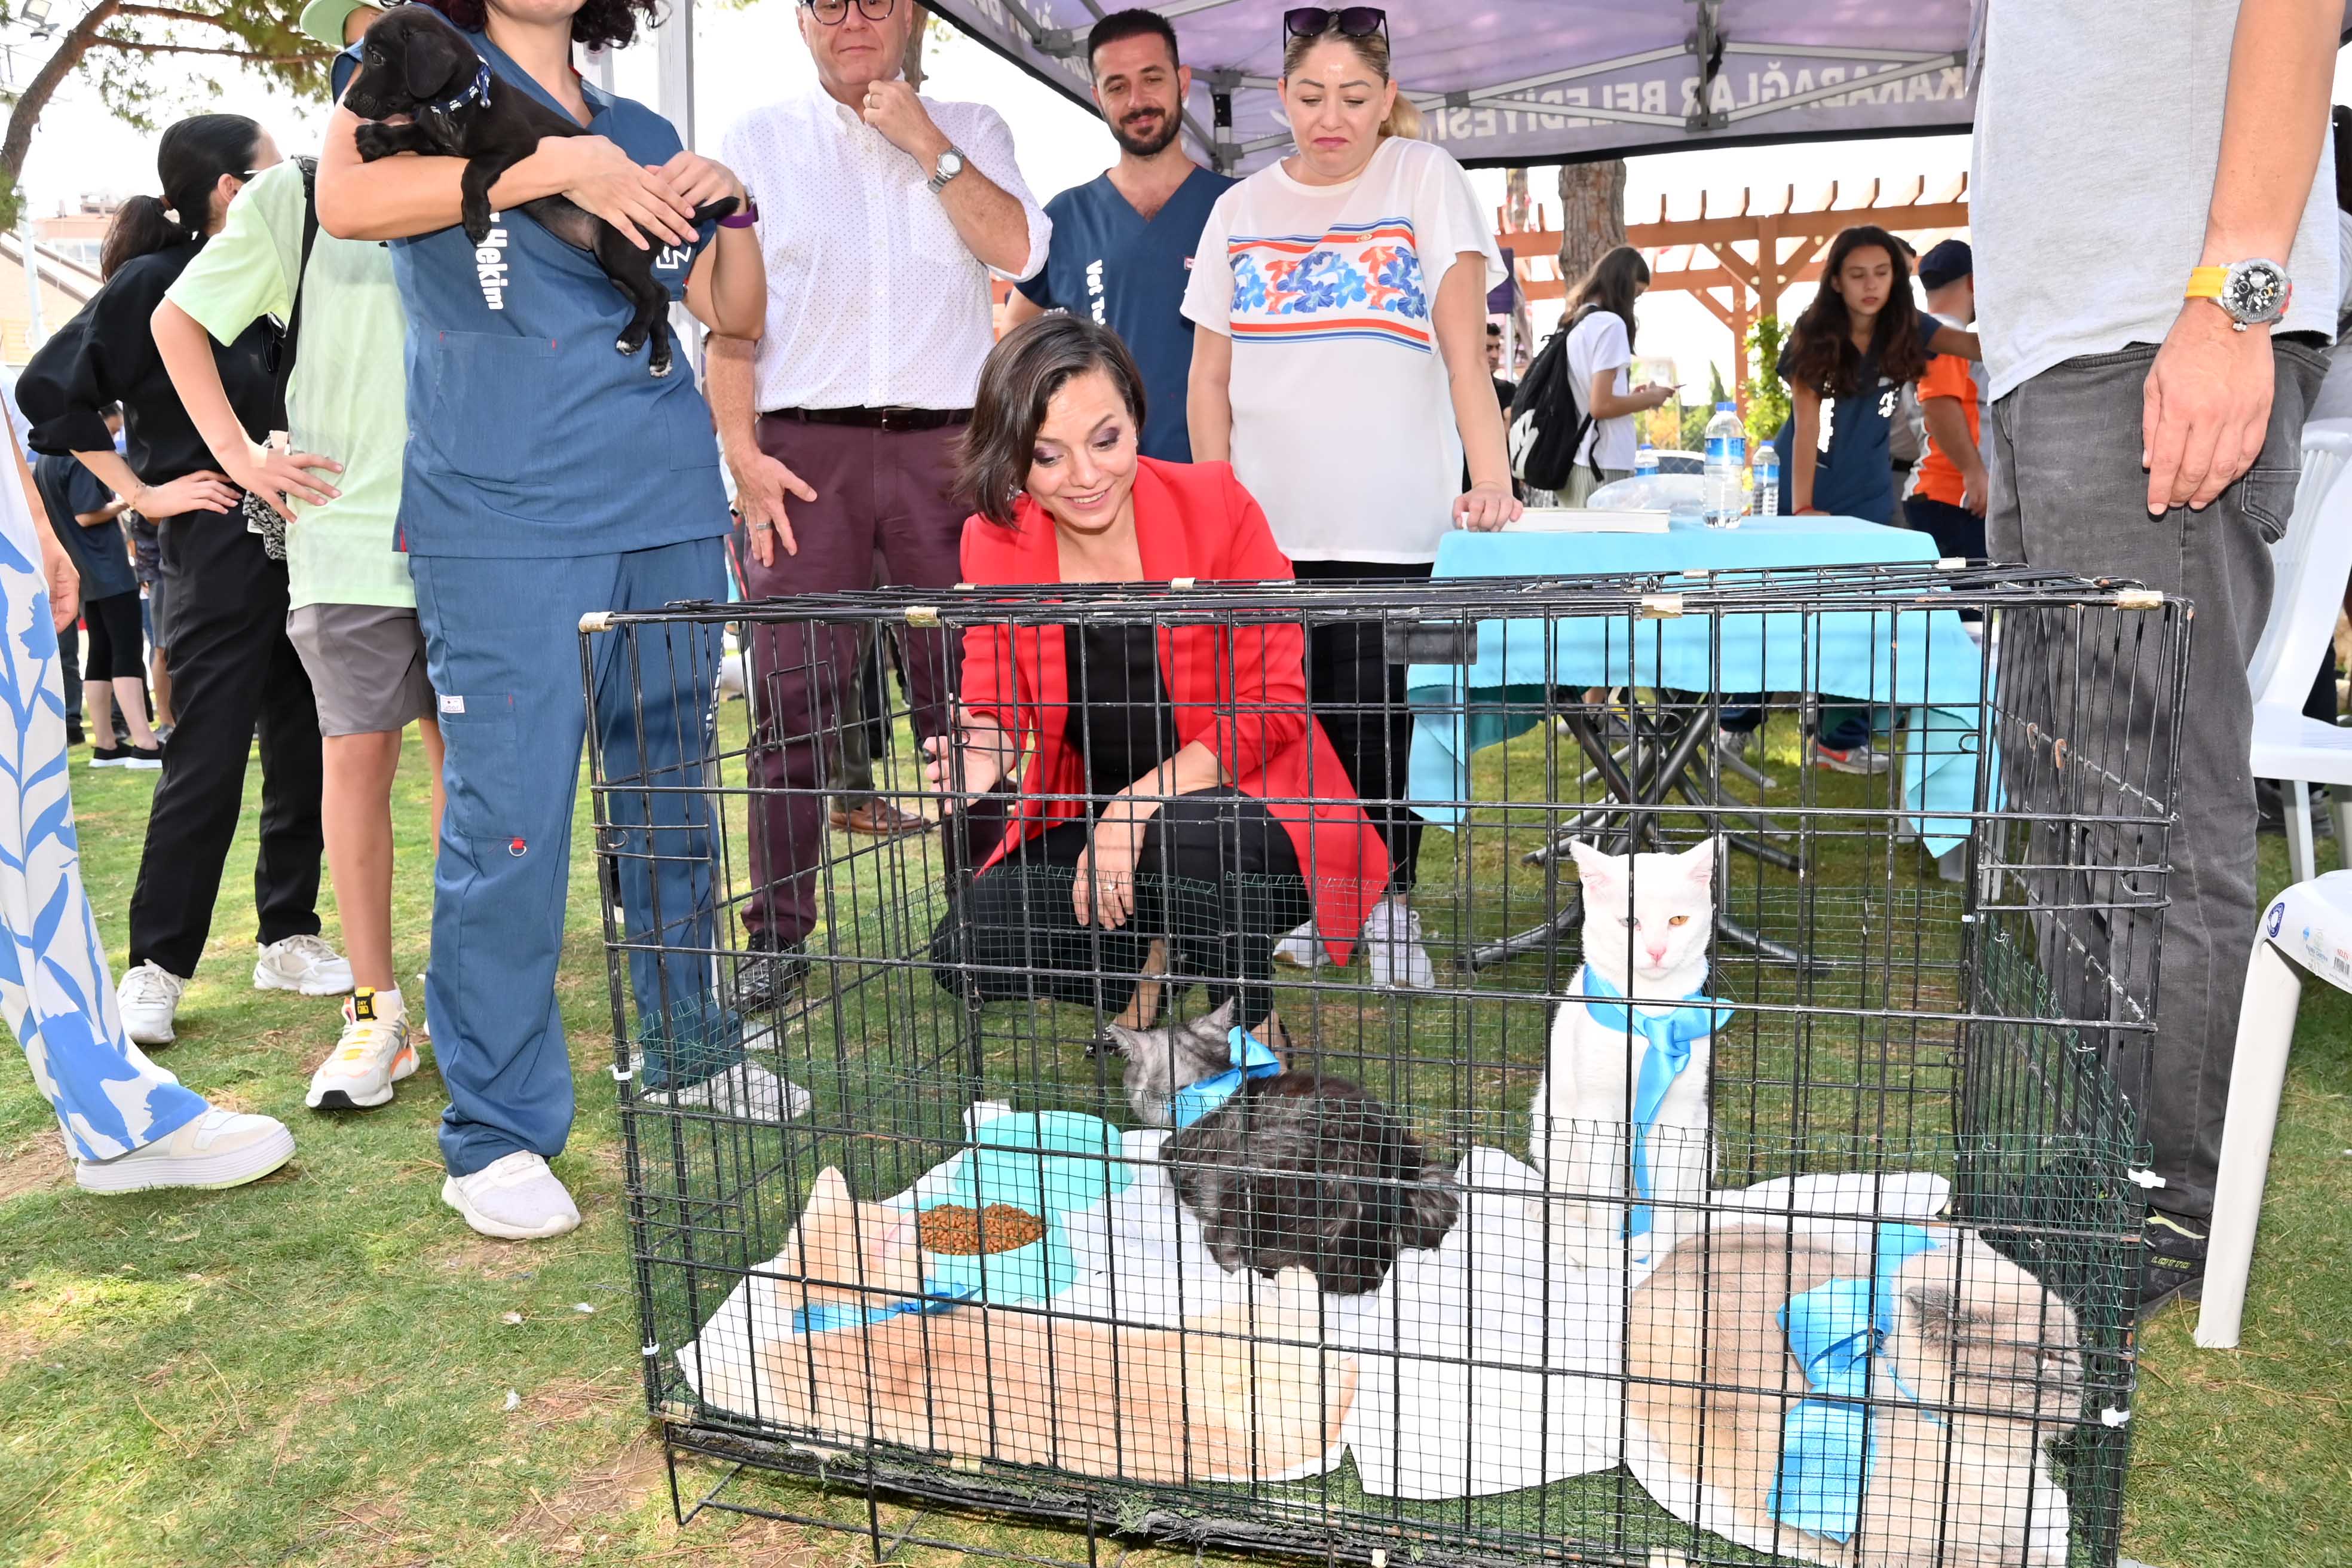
(959, 1231)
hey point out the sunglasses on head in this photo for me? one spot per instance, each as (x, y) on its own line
(1348, 21)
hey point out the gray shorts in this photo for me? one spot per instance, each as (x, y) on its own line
(366, 664)
(159, 601)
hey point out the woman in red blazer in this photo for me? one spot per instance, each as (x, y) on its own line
(1179, 809)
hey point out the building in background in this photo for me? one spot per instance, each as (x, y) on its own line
(65, 287)
(76, 232)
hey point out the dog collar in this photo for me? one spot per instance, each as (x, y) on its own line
(479, 91)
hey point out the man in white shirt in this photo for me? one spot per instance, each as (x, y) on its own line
(881, 216)
(2149, 180)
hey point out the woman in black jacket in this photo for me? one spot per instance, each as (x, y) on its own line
(232, 670)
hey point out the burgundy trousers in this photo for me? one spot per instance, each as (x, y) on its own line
(885, 494)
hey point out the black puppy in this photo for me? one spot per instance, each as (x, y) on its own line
(414, 63)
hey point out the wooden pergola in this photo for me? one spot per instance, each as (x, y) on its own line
(1739, 265)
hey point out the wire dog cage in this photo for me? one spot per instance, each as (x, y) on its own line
(1210, 1158)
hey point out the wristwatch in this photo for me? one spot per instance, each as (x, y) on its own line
(747, 218)
(951, 164)
(2254, 293)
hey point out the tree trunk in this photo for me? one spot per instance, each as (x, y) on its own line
(911, 64)
(1591, 215)
(1518, 215)
(27, 111)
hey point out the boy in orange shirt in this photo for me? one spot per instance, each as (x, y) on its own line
(1947, 497)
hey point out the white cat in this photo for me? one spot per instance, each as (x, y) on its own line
(1647, 921)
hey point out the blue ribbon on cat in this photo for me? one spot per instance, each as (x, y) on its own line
(1670, 1035)
(1252, 1057)
(1833, 1330)
(825, 1319)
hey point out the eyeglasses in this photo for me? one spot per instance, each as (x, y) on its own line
(832, 12)
(1348, 21)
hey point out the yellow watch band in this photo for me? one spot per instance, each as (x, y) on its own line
(2205, 282)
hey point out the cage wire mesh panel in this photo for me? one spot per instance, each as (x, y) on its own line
(1742, 1170)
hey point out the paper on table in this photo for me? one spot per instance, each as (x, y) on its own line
(1586, 519)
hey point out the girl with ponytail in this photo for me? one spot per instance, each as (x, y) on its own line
(204, 160)
(1341, 368)
(219, 609)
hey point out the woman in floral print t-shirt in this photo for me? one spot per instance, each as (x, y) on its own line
(1341, 368)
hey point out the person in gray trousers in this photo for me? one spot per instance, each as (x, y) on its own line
(2154, 223)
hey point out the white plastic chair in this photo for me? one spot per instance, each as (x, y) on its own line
(2312, 564)
(2308, 927)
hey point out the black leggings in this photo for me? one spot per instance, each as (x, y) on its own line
(116, 643)
(1218, 880)
(1359, 697)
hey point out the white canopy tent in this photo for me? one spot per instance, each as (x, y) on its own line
(1521, 81)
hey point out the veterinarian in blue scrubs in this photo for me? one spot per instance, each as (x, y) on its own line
(546, 477)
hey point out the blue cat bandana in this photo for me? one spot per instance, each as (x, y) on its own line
(849, 1315)
(1671, 1035)
(1825, 1440)
(1252, 1057)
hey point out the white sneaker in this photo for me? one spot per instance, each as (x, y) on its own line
(302, 964)
(747, 1091)
(374, 1054)
(1393, 949)
(1302, 949)
(422, 1028)
(148, 999)
(514, 1198)
(218, 1149)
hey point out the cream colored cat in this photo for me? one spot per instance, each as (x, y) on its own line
(1235, 1396)
(1988, 1352)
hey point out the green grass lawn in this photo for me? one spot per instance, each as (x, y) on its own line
(328, 1368)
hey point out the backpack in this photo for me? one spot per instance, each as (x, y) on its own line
(260, 518)
(1548, 421)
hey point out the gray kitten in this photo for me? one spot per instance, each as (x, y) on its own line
(1167, 1057)
(1296, 1170)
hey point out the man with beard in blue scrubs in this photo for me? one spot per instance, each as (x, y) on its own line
(546, 477)
(1123, 241)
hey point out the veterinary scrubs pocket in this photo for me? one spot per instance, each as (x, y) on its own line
(474, 427)
(485, 770)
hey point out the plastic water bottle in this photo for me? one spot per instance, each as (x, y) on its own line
(1768, 481)
(1645, 462)
(1726, 460)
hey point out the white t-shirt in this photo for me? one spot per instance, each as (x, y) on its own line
(2335, 399)
(1596, 343)
(2099, 128)
(1343, 422)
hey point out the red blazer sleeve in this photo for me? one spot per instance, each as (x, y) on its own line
(992, 676)
(1266, 683)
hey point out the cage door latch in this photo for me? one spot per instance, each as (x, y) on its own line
(2138, 599)
(1431, 642)
(2148, 1179)
(1661, 606)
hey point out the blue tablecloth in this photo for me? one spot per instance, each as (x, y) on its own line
(1921, 660)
